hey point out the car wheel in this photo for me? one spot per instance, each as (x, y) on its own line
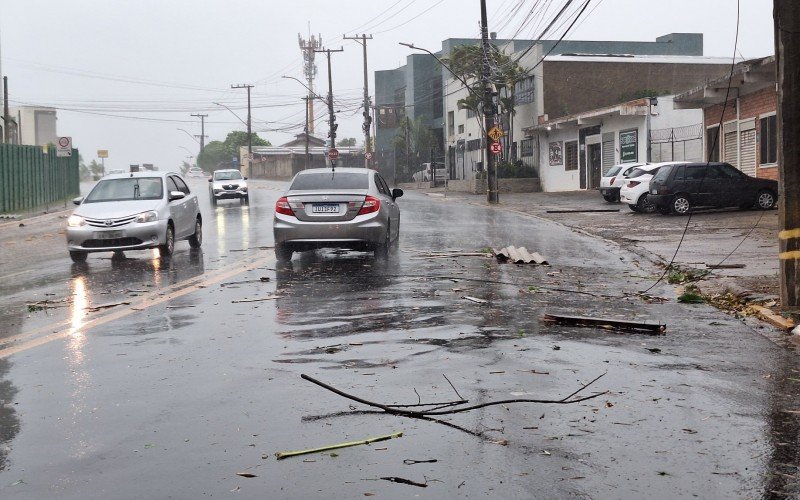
(196, 239)
(283, 253)
(645, 205)
(165, 250)
(77, 256)
(609, 198)
(766, 199)
(213, 201)
(681, 205)
(633, 208)
(245, 200)
(382, 250)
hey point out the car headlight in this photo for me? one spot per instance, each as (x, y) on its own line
(147, 216)
(243, 188)
(75, 221)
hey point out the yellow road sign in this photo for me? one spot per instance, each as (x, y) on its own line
(102, 153)
(495, 133)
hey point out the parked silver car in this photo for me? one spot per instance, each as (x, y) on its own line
(343, 208)
(227, 184)
(134, 211)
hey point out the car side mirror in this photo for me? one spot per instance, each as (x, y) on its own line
(397, 193)
(245, 178)
(210, 179)
(78, 200)
(176, 195)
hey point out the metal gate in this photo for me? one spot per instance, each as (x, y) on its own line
(677, 143)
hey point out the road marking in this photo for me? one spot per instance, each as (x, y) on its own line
(15, 274)
(179, 290)
(788, 234)
(793, 255)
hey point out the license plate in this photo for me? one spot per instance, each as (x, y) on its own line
(107, 235)
(325, 208)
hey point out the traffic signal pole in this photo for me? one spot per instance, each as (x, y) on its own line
(787, 42)
(488, 111)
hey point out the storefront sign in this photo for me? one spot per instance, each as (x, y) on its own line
(628, 146)
(556, 153)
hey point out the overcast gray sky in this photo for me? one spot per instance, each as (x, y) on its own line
(126, 74)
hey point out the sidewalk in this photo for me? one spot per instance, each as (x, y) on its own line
(731, 236)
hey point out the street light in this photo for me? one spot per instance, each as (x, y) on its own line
(232, 112)
(190, 135)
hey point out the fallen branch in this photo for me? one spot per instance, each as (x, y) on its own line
(107, 306)
(616, 324)
(286, 454)
(423, 413)
(270, 297)
(402, 480)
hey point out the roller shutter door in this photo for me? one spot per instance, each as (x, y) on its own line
(730, 151)
(748, 156)
(608, 150)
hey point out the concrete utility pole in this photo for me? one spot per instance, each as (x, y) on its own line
(305, 129)
(331, 115)
(202, 130)
(488, 111)
(787, 25)
(249, 120)
(367, 117)
(309, 48)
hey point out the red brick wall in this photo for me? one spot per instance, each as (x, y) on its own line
(753, 105)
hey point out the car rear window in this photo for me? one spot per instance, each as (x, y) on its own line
(613, 171)
(125, 189)
(663, 173)
(330, 180)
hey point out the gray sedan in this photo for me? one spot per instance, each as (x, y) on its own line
(342, 208)
(134, 211)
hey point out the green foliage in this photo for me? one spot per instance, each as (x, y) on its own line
(677, 275)
(516, 170)
(347, 142)
(416, 138)
(219, 154)
(95, 169)
(691, 295)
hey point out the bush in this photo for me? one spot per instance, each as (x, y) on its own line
(516, 170)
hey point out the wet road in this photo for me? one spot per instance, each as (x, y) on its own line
(192, 382)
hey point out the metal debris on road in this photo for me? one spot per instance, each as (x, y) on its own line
(474, 299)
(614, 324)
(269, 297)
(286, 454)
(246, 474)
(518, 256)
(726, 266)
(107, 306)
(409, 461)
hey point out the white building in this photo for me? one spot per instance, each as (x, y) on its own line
(36, 126)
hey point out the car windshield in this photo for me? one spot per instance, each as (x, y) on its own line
(227, 176)
(125, 189)
(330, 180)
(613, 171)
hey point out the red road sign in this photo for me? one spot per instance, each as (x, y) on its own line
(333, 154)
(496, 148)
(368, 156)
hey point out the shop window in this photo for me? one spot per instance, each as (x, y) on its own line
(571, 155)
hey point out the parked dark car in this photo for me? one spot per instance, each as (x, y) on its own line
(680, 188)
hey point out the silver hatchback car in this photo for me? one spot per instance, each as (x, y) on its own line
(342, 208)
(134, 211)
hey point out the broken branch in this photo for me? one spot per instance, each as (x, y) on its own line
(286, 454)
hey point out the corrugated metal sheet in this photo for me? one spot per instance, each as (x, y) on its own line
(518, 256)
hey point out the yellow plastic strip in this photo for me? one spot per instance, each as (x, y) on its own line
(788, 234)
(793, 255)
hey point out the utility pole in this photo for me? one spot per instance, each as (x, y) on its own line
(305, 129)
(787, 24)
(488, 111)
(249, 121)
(331, 115)
(309, 48)
(367, 117)
(202, 130)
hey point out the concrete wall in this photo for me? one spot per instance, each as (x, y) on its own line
(479, 186)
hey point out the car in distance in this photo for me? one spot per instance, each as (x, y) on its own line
(636, 188)
(343, 208)
(614, 178)
(195, 172)
(134, 211)
(228, 184)
(678, 189)
(115, 171)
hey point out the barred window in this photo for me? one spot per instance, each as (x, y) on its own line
(524, 91)
(527, 147)
(571, 155)
(474, 145)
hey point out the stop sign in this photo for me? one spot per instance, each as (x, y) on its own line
(333, 154)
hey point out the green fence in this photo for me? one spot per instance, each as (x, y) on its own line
(30, 179)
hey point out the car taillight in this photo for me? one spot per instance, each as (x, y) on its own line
(663, 190)
(370, 205)
(282, 207)
(612, 181)
(633, 184)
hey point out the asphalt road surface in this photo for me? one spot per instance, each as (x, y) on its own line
(188, 383)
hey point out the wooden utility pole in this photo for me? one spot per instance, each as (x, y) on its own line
(367, 117)
(787, 42)
(488, 111)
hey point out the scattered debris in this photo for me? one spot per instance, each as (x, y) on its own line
(269, 297)
(773, 318)
(263, 279)
(286, 454)
(612, 324)
(107, 306)
(246, 474)
(518, 256)
(677, 275)
(726, 266)
(475, 299)
(691, 295)
(404, 481)
(409, 461)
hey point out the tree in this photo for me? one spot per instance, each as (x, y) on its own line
(185, 167)
(213, 156)
(96, 169)
(415, 141)
(83, 170)
(237, 139)
(347, 142)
